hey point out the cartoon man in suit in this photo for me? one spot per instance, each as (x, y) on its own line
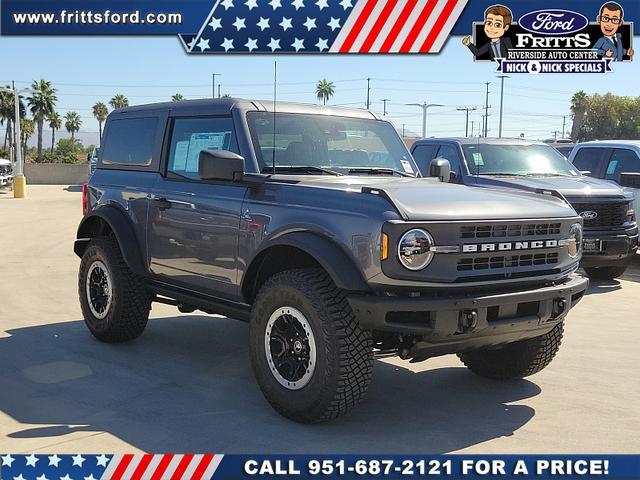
(610, 46)
(497, 20)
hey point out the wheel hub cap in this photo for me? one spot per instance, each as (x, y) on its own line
(290, 348)
(99, 290)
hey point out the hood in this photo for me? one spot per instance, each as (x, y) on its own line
(574, 187)
(421, 199)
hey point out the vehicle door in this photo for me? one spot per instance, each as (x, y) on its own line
(592, 159)
(193, 224)
(624, 160)
(450, 152)
(423, 154)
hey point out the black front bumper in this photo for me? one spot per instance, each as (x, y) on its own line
(462, 322)
(612, 248)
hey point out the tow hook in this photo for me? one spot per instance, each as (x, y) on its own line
(467, 321)
(559, 306)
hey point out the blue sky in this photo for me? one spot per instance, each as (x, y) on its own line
(86, 70)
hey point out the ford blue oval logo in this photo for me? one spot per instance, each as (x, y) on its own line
(589, 215)
(553, 22)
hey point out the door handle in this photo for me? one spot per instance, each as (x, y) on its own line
(161, 203)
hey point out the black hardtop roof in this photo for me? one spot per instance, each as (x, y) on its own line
(220, 106)
(481, 141)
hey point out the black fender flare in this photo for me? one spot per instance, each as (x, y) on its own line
(121, 227)
(337, 263)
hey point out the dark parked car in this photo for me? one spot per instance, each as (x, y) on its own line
(615, 160)
(564, 148)
(610, 228)
(312, 225)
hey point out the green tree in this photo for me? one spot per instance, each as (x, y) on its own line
(119, 101)
(611, 117)
(579, 104)
(178, 97)
(72, 123)
(100, 111)
(324, 90)
(26, 130)
(7, 114)
(55, 123)
(42, 103)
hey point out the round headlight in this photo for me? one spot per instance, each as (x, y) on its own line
(414, 249)
(574, 245)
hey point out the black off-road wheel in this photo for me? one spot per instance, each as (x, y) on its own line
(114, 301)
(605, 273)
(515, 360)
(310, 356)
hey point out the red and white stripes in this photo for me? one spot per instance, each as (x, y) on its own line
(162, 467)
(398, 26)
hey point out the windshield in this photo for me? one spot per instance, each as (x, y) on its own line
(486, 159)
(313, 143)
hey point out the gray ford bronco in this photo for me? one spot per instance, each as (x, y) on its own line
(313, 225)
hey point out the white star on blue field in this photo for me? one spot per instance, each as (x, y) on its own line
(272, 26)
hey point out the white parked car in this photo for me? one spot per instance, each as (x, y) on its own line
(6, 172)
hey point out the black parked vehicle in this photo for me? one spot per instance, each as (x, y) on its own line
(311, 224)
(610, 228)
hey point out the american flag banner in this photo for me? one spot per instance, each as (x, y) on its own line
(326, 26)
(109, 467)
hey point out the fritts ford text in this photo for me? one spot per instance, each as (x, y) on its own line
(88, 17)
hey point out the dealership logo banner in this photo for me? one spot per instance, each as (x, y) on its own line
(298, 467)
(321, 26)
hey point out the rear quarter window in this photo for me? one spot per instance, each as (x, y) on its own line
(130, 142)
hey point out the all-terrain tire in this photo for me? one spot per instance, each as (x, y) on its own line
(128, 310)
(344, 350)
(515, 360)
(605, 273)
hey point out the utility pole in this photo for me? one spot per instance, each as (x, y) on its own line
(219, 95)
(403, 130)
(384, 105)
(425, 106)
(501, 77)
(473, 125)
(368, 93)
(555, 134)
(213, 84)
(466, 123)
(486, 112)
(564, 124)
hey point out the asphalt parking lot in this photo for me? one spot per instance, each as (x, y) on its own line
(186, 385)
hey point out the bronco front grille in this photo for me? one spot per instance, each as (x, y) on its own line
(611, 214)
(501, 262)
(509, 230)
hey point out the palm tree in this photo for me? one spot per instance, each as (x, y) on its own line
(178, 97)
(42, 102)
(119, 101)
(7, 113)
(100, 111)
(579, 104)
(72, 123)
(26, 130)
(324, 90)
(55, 122)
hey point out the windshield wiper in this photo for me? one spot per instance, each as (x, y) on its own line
(380, 171)
(302, 169)
(545, 175)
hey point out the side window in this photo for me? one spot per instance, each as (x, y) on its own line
(423, 154)
(622, 161)
(448, 152)
(590, 159)
(192, 135)
(130, 141)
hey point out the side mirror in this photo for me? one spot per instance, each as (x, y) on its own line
(440, 168)
(220, 165)
(630, 180)
(586, 173)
